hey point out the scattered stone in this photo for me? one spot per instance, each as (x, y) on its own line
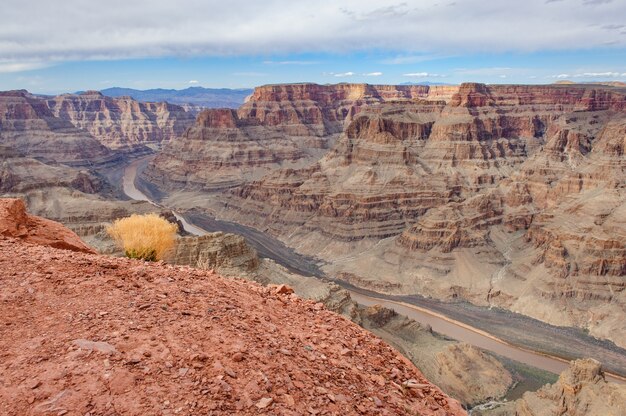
(264, 402)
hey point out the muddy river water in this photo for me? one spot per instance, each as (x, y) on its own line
(268, 246)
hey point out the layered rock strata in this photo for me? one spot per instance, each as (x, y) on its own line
(29, 127)
(121, 123)
(503, 195)
(287, 126)
(580, 390)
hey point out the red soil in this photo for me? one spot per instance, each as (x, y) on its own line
(83, 334)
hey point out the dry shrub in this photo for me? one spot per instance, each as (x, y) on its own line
(147, 237)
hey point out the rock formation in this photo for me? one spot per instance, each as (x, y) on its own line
(581, 390)
(504, 195)
(152, 338)
(29, 127)
(16, 223)
(121, 123)
(287, 126)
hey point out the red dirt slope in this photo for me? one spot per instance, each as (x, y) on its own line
(83, 334)
(15, 222)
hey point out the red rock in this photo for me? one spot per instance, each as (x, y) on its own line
(16, 223)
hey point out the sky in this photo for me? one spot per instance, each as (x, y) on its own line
(51, 46)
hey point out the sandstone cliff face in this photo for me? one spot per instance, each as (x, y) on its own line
(121, 123)
(28, 126)
(258, 352)
(581, 390)
(227, 253)
(503, 195)
(288, 126)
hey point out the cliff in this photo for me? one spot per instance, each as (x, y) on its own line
(280, 126)
(580, 390)
(504, 195)
(462, 371)
(28, 126)
(152, 338)
(121, 123)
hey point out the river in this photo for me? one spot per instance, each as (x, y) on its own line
(268, 246)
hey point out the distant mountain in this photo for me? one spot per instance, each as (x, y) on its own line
(196, 96)
(425, 83)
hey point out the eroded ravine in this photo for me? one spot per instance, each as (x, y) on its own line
(271, 248)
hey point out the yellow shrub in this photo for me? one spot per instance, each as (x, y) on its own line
(146, 237)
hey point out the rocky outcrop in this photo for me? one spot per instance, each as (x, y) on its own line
(28, 126)
(142, 343)
(222, 150)
(227, 253)
(121, 123)
(581, 390)
(16, 223)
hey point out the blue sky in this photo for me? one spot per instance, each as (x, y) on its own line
(77, 45)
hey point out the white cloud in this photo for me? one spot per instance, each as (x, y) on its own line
(16, 66)
(72, 30)
(605, 74)
(342, 74)
(423, 75)
(193, 81)
(597, 74)
(373, 74)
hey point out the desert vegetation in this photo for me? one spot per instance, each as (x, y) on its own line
(147, 237)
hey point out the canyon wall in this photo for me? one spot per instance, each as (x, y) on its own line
(503, 195)
(121, 123)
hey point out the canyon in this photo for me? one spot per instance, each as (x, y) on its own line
(506, 196)
(126, 347)
(503, 197)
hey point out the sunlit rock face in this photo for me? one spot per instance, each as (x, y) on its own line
(505, 195)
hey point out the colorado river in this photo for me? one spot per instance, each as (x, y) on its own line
(457, 329)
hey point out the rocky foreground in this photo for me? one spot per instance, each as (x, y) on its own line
(87, 334)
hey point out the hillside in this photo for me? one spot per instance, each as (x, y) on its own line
(151, 338)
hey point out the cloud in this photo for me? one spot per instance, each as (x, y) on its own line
(49, 32)
(423, 75)
(342, 74)
(413, 59)
(612, 27)
(373, 74)
(596, 2)
(16, 66)
(608, 74)
(193, 81)
(605, 74)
